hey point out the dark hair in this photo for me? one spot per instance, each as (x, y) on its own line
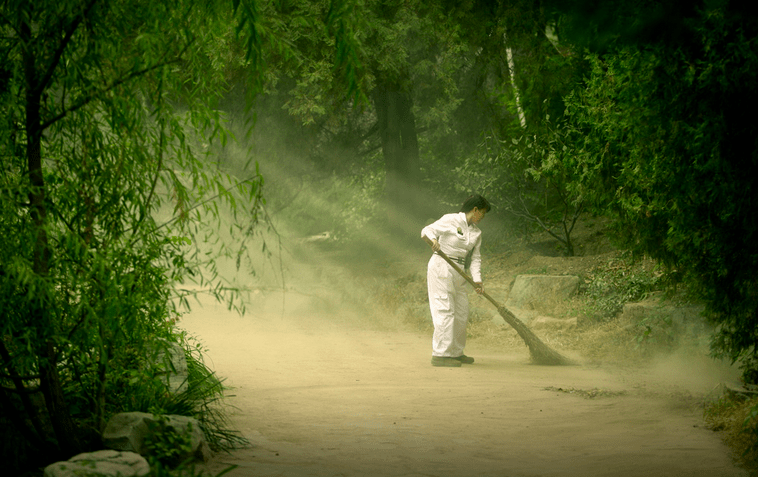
(477, 201)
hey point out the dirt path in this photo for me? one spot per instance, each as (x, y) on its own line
(324, 400)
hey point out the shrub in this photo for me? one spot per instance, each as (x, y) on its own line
(609, 287)
(735, 416)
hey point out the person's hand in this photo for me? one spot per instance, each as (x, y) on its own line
(435, 245)
(479, 287)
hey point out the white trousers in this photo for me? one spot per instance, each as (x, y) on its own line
(448, 302)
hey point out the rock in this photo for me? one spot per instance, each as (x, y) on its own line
(535, 291)
(127, 431)
(525, 316)
(105, 463)
(171, 363)
(553, 323)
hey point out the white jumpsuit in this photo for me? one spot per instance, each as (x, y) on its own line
(448, 294)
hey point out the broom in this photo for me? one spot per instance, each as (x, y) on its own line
(539, 351)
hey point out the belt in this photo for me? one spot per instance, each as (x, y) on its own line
(460, 261)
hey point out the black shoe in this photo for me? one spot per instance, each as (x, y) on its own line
(465, 359)
(446, 362)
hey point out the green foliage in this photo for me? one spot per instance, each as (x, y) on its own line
(536, 271)
(165, 445)
(142, 387)
(609, 287)
(666, 149)
(750, 429)
(185, 471)
(725, 404)
(110, 198)
(655, 329)
(530, 178)
(167, 449)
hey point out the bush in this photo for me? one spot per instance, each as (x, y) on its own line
(609, 287)
(665, 151)
(165, 445)
(735, 416)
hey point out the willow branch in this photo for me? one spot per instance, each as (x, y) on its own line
(55, 60)
(112, 86)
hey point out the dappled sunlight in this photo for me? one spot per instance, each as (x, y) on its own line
(329, 370)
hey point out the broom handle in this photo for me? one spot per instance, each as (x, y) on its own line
(463, 274)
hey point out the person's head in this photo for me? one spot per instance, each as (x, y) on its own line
(477, 201)
(475, 207)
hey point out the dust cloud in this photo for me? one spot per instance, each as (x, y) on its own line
(692, 370)
(325, 382)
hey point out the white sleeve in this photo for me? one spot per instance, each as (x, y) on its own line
(435, 230)
(476, 261)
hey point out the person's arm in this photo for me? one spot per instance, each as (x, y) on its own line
(476, 266)
(434, 231)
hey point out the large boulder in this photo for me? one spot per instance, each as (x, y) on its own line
(538, 292)
(104, 463)
(127, 431)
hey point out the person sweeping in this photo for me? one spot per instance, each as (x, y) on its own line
(458, 236)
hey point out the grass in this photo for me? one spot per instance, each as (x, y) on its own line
(734, 416)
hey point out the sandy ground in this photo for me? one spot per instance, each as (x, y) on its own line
(317, 398)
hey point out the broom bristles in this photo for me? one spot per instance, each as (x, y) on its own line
(539, 351)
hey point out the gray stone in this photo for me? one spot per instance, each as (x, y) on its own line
(553, 323)
(525, 316)
(127, 431)
(531, 292)
(104, 463)
(171, 363)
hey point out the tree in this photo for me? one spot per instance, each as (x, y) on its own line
(667, 148)
(521, 71)
(406, 75)
(106, 104)
(428, 71)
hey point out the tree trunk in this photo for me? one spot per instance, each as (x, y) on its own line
(34, 434)
(512, 72)
(50, 384)
(397, 129)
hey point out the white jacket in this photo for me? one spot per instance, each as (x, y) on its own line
(457, 238)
